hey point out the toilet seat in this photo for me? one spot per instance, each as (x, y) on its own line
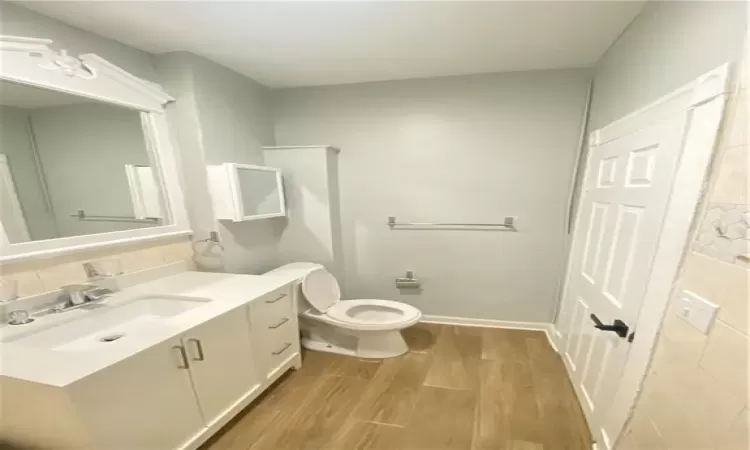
(338, 316)
(322, 292)
(372, 314)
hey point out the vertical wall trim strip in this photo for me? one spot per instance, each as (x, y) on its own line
(39, 169)
(570, 214)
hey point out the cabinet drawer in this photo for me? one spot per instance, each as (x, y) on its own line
(275, 328)
(274, 307)
(281, 344)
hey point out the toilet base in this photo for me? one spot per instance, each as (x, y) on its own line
(362, 344)
(381, 345)
(320, 346)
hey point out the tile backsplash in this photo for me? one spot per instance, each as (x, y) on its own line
(49, 274)
(725, 233)
(696, 395)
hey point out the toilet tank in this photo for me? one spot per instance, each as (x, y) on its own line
(295, 272)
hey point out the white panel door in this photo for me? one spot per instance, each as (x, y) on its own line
(624, 203)
(221, 363)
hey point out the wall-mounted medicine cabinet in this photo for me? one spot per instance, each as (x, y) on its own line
(243, 192)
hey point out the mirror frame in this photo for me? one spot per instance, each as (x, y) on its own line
(31, 62)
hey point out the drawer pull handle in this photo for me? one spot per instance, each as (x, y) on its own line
(283, 321)
(276, 299)
(283, 349)
(198, 348)
(185, 364)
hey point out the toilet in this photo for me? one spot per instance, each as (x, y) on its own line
(364, 328)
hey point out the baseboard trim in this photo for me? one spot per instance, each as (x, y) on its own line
(547, 328)
(487, 323)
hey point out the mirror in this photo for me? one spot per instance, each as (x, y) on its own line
(73, 166)
(259, 191)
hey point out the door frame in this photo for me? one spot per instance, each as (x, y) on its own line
(703, 100)
(6, 177)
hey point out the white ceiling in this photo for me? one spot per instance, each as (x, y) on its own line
(283, 44)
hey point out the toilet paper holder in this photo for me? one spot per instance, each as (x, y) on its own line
(408, 281)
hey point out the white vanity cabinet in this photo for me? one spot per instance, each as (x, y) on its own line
(173, 394)
(163, 396)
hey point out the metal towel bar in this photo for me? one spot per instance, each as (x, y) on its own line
(81, 214)
(507, 225)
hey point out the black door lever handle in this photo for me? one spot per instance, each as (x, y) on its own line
(619, 327)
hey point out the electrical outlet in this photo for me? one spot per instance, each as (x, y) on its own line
(696, 310)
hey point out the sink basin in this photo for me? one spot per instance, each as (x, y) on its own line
(106, 324)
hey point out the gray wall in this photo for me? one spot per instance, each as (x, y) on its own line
(236, 122)
(456, 149)
(668, 45)
(226, 118)
(16, 144)
(235, 114)
(176, 76)
(312, 231)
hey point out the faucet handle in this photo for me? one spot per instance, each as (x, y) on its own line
(103, 268)
(19, 317)
(92, 271)
(77, 293)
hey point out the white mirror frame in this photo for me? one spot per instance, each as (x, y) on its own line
(31, 62)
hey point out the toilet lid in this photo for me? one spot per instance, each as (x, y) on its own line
(321, 289)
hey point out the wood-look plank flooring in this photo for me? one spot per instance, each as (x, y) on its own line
(458, 388)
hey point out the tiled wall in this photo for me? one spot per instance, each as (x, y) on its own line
(49, 274)
(696, 393)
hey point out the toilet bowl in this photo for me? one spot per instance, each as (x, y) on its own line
(366, 328)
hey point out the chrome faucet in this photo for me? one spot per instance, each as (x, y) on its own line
(79, 295)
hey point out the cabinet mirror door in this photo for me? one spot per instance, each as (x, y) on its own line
(261, 192)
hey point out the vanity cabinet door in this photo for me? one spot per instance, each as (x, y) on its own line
(143, 402)
(221, 363)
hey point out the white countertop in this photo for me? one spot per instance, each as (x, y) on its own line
(60, 368)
